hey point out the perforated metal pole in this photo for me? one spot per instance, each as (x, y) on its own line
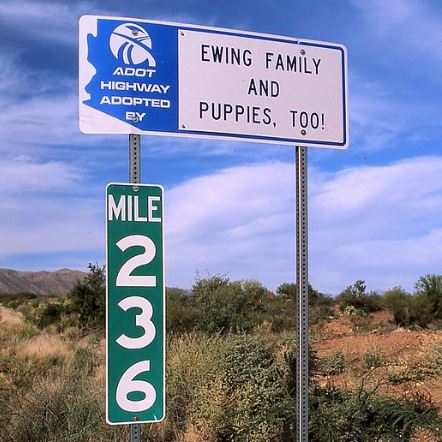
(134, 158)
(134, 177)
(302, 296)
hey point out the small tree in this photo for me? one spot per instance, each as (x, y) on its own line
(88, 299)
(181, 314)
(357, 299)
(430, 286)
(397, 300)
(288, 290)
(227, 306)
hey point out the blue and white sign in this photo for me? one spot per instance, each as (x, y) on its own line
(147, 77)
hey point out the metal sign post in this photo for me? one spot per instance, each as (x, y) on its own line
(134, 177)
(302, 296)
(135, 314)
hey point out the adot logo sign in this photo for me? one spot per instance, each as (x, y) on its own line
(128, 82)
(131, 44)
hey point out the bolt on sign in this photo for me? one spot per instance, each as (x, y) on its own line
(135, 316)
(147, 77)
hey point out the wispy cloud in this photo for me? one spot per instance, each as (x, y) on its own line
(57, 225)
(43, 20)
(22, 175)
(381, 224)
(235, 221)
(372, 223)
(406, 36)
(405, 23)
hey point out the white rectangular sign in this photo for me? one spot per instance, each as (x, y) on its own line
(147, 77)
(234, 84)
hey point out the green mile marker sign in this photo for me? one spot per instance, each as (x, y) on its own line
(135, 319)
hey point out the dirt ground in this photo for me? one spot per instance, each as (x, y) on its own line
(396, 351)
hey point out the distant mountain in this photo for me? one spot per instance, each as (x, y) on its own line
(41, 283)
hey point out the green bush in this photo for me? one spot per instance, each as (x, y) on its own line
(355, 297)
(226, 306)
(333, 364)
(261, 408)
(373, 359)
(419, 311)
(88, 299)
(362, 415)
(430, 287)
(320, 306)
(14, 300)
(288, 290)
(420, 308)
(409, 310)
(49, 314)
(397, 301)
(181, 313)
(290, 360)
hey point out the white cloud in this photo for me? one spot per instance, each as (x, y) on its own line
(37, 223)
(40, 224)
(43, 121)
(20, 174)
(410, 184)
(381, 224)
(407, 24)
(43, 20)
(236, 221)
(40, 211)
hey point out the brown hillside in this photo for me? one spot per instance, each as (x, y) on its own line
(58, 282)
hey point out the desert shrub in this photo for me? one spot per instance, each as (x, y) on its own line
(333, 364)
(409, 310)
(430, 287)
(419, 311)
(429, 365)
(396, 300)
(181, 313)
(359, 416)
(420, 308)
(290, 361)
(319, 313)
(88, 299)
(14, 300)
(320, 306)
(226, 388)
(193, 396)
(227, 306)
(355, 297)
(288, 290)
(53, 410)
(373, 358)
(48, 314)
(261, 407)
(435, 356)
(279, 312)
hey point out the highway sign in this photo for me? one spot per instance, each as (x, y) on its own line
(135, 324)
(148, 77)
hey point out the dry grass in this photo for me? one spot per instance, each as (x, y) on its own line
(10, 317)
(45, 347)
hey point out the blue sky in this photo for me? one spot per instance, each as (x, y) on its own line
(375, 210)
